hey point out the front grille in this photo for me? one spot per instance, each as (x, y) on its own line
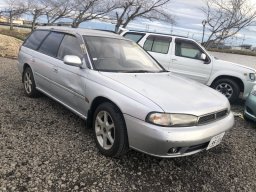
(197, 147)
(206, 119)
(212, 117)
(221, 114)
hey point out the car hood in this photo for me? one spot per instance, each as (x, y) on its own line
(233, 66)
(172, 93)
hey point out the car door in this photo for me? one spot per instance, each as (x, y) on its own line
(70, 81)
(187, 61)
(46, 59)
(34, 58)
(159, 47)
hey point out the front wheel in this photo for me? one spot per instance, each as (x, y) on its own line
(110, 131)
(227, 87)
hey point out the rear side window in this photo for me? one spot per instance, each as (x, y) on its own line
(69, 46)
(158, 44)
(35, 39)
(51, 44)
(134, 36)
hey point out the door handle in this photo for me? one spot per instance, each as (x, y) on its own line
(174, 60)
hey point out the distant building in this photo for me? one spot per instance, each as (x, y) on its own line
(214, 45)
(18, 21)
(244, 47)
(15, 21)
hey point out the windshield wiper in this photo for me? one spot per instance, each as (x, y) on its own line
(133, 71)
(141, 71)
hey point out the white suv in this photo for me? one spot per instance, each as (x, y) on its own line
(187, 58)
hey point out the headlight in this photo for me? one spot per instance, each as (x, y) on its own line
(252, 76)
(172, 120)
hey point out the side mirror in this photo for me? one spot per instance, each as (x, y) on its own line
(203, 57)
(72, 60)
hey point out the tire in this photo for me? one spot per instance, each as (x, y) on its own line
(109, 130)
(29, 83)
(227, 87)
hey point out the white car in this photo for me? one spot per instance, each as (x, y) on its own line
(186, 57)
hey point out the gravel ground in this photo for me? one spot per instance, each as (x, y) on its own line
(45, 147)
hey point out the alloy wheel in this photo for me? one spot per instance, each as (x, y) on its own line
(28, 82)
(105, 130)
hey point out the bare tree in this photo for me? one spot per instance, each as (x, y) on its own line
(36, 8)
(129, 10)
(1, 12)
(58, 9)
(226, 18)
(85, 10)
(15, 9)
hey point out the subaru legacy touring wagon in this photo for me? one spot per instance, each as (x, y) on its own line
(128, 99)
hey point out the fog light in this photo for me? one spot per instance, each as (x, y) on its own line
(173, 150)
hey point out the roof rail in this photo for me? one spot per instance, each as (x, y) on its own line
(69, 28)
(141, 31)
(52, 27)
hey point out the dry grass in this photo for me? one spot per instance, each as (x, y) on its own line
(9, 46)
(19, 33)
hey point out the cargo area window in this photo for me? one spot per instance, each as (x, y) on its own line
(35, 39)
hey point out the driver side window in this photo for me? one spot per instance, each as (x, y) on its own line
(187, 49)
(69, 46)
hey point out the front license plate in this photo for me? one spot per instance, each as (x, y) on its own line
(216, 140)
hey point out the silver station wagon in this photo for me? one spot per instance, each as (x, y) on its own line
(128, 99)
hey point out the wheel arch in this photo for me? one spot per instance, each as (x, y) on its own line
(95, 103)
(236, 79)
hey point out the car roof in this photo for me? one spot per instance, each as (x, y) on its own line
(80, 31)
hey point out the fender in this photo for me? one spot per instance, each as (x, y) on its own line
(226, 73)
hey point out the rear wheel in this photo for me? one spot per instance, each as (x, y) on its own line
(110, 131)
(227, 87)
(29, 83)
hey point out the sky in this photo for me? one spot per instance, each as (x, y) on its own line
(188, 17)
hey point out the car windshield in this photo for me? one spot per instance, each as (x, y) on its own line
(118, 55)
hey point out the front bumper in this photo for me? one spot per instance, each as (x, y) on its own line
(250, 108)
(157, 141)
